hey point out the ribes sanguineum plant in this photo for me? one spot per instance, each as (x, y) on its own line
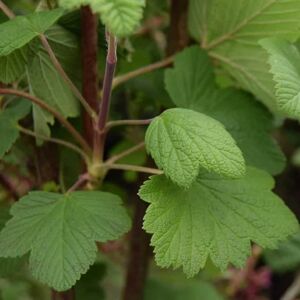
(210, 195)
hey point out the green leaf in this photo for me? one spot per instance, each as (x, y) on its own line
(284, 60)
(9, 132)
(8, 266)
(18, 32)
(70, 4)
(191, 84)
(47, 84)
(89, 287)
(286, 257)
(215, 218)
(60, 232)
(181, 141)
(160, 289)
(121, 17)
(13, 65)
(233, 38)
(66, 47)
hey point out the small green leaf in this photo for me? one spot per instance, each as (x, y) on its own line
(181, 141)
(286, 257)
(60, 232)
(215, 218)
(18, 32)
(284, 59)
(121, 17)
(191, 84)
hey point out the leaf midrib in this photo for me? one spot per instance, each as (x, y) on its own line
(216, 42)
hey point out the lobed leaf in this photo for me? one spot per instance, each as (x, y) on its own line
(181, 141)
(60, 232)
(215, 218)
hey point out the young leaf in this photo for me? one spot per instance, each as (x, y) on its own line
(191, 84)
(60, 232)
(18, 32)
(232, 38)
(181, 141)
(284, 60)
(121, 17)
(215, 217)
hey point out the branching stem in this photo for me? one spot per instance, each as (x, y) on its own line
(141, 71)
(111, 124)
(79, 183)
(134, 168)
(9, 13)
(77, 136)
(54, 140)
(125, 153)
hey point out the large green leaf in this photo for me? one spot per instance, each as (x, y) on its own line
(181, 141)
(120, 16)
(60, 232)
(230, 30)
(18, 32)
(191, 84)
(215, 217)
(285, 67)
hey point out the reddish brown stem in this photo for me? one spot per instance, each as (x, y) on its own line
(89, 50)
(111, 62)
(139, 256)
(6, 182)
(178, 37)
(68, 295)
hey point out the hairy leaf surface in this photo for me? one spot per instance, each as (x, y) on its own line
(60, 232)
(181, 141)
(215, 218)
(121, 17)
(191, 84)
